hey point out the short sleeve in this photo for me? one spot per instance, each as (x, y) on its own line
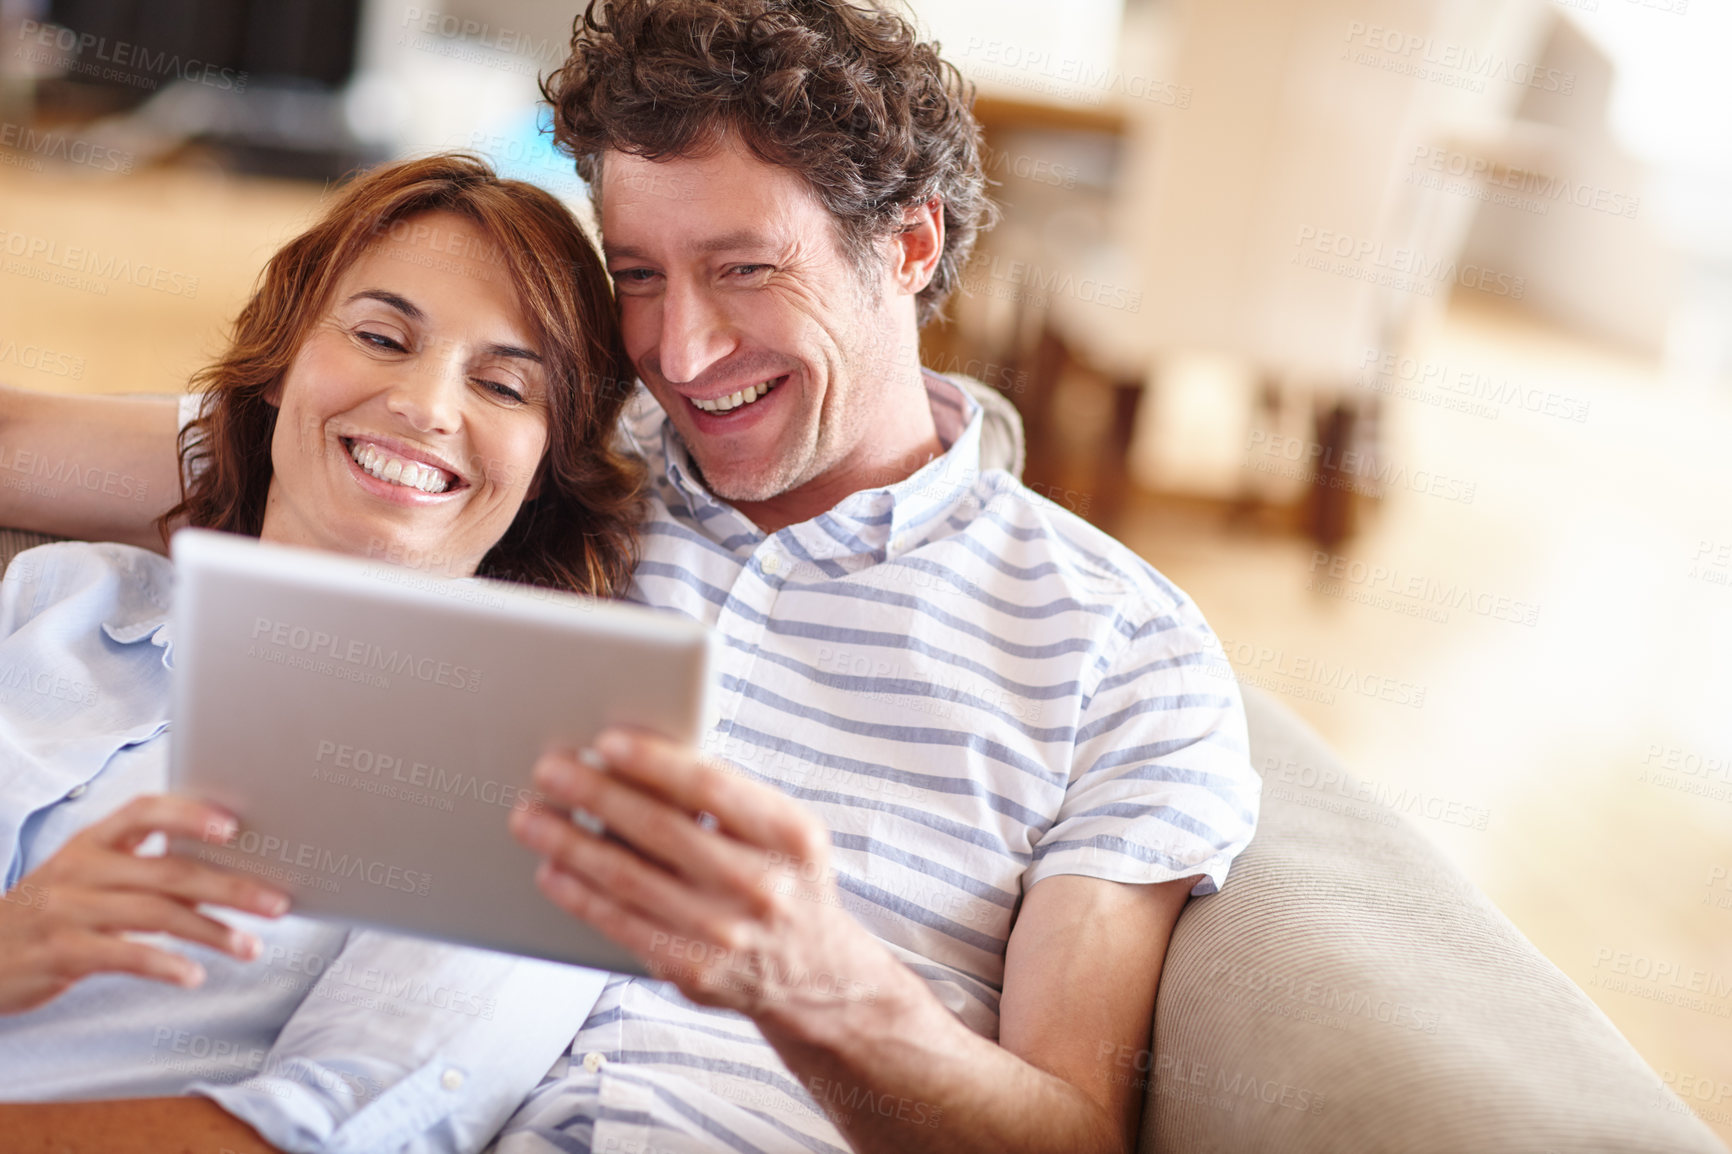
(1161, 783)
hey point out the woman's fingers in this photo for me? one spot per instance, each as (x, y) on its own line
(185, 881)
(78, 954)
(102, 856)
(112, 912)
(127, 827)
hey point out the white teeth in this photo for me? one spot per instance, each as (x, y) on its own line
(397, 471)
(734, 400)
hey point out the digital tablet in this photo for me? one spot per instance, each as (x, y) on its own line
(372, 727)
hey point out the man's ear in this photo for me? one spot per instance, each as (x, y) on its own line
(917, 247)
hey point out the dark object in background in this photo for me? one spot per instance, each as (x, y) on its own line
(256, 82)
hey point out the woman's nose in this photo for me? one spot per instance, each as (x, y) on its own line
(429, 394)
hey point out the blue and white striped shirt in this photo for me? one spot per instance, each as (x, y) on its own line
(975, 690)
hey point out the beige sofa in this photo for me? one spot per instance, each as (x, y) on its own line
(1350, 992)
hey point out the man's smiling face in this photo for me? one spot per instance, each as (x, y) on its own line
(745, 318)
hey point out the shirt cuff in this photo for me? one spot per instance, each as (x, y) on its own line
(407, 1045)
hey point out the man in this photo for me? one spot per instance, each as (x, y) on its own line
(972, 756)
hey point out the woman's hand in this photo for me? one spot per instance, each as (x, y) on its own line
(67, 919)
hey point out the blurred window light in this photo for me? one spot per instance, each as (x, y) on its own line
(1673, 88)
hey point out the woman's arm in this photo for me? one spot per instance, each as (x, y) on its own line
(134, 1126)
(98, 468)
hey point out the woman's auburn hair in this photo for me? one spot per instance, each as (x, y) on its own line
(578, 532)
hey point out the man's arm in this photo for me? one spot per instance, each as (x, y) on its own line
(698, 856)
(98, 468)
(131, 1126)
(1081, 970)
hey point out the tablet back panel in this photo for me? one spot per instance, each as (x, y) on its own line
(372, 727)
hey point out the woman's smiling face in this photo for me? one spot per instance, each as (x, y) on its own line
(413, 419)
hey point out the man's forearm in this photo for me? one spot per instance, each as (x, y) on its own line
(904, 1074)
(100, 468)
(129, 1126)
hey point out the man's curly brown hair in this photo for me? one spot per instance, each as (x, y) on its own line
(846, 95)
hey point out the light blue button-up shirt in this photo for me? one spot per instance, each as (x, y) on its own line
(333, 1040)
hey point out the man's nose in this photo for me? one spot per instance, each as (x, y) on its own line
(695, 334)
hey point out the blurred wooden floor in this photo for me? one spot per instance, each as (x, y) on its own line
(1545, 728)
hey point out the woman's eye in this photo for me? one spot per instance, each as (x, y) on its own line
(503, 391)
(379, 340)
(748, 270)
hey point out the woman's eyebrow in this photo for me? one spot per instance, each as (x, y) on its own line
(409, 309)
(514, 351)
(401, 304)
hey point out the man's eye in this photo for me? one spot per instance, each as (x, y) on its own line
(633, 275)
(379, 340)
(749, 270)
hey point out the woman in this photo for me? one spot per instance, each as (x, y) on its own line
(430, 373)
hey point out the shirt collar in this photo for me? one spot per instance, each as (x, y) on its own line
(876, 524)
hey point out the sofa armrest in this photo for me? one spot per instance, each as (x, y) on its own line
(15, 541)
(1349, 990)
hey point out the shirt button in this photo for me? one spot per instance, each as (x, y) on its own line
(772, 564)
(76, 792)
(452, 1079)
(593, 1061)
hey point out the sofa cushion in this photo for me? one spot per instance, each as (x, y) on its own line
(1349, 990)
